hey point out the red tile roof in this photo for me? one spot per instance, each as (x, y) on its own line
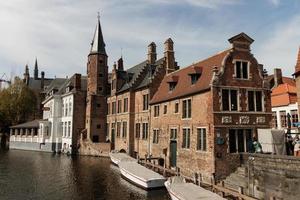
(184, 86)
(284, 94)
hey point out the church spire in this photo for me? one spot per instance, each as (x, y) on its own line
(297, 67)
(98, 45)
(36, 70)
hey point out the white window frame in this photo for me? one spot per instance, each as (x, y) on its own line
(254, 96)
(186, 118)
(229, 99)
(201, 127)
(248, 69)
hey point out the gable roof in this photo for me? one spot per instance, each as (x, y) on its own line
(184, 86)
(31, 124)
(132, 74)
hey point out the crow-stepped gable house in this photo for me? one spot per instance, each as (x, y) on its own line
(204, 115)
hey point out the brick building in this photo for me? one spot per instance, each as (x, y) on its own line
(204, 115)
(128, 118)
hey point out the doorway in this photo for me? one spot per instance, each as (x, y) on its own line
(173, 153)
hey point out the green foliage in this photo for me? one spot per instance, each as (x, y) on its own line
(17, 103)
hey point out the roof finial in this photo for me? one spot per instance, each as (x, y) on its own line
(121, 52)
(98, 16)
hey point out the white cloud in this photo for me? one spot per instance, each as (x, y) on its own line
(274, 2)
(281, 47)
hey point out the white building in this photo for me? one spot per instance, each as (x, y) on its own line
(284, 102)
(63, 119)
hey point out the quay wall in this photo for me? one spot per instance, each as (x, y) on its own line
(94, 149)
(272, 176)
(34, 146)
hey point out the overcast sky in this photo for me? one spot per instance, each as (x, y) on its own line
(59, 32)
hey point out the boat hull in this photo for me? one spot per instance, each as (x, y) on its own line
(172, 195)
(140, 182)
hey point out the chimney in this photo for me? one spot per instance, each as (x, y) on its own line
(120, 64)
(77, 82)
(277, 77)
(42, 80)
(152, 53)
(169, 55)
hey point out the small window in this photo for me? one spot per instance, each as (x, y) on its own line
(124, 131)
(241, 69)
(98, 105)
(108, 108)
(165, 109)
(187, 108)
(145, 102)
(201, 139)
(137, 130)
(176, 110)
(155, 136)
(172, 86)
(119, 106)
(100, 75)
(118, 129)
(283, 118)
(145, 131)
(100, 88)
(186, 138)
(194, 78)
(113, 108)
(274, 120)
(173, 134)
(125, 109)
(294, 115)
(156, 111)
(98, 126)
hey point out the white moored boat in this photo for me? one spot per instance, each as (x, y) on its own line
(118, 157)
(141, 176)
(180, 190)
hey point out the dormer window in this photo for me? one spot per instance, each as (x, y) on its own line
(194, 78)
(172, 86)
(241, 70)
(172, 80)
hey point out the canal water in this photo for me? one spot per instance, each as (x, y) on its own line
(30, 175)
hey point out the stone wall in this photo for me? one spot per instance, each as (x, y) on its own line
(94, 149)
(273, 176)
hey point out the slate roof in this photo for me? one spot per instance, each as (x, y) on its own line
(98, 45)
(131, 75)
(31, 124)
(55, 84)
(35, 84)
(184, 86)
(150, 73)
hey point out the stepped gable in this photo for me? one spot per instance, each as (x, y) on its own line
(137, 76)
(183, 80)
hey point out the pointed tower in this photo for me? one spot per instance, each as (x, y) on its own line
(97, 72)
(26, 75)
(36, 70)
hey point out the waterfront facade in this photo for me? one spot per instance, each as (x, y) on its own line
(60, 127)
(128, 116)
(210, 111)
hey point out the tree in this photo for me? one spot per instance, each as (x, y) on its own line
(17, 104)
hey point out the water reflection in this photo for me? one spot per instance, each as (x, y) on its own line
(37, 175)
